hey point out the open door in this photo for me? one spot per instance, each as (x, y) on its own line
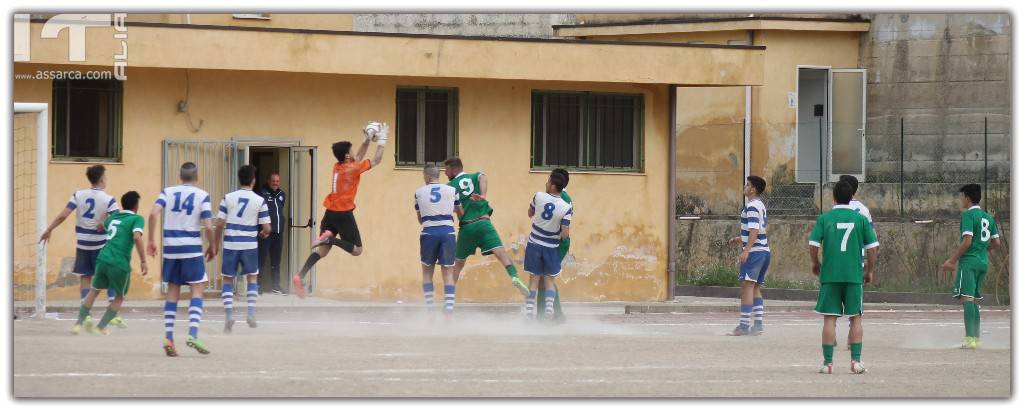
(217, 162)
(847, 116)
(302, 221)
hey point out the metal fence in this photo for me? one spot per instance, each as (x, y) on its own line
(907, 174)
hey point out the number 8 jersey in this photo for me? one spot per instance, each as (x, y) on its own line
(185, 206)
(550, 213)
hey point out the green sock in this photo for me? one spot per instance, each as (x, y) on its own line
(826, 350)
(83, 312)
(511, 270)
(969, 318)
(107, 316)
(855, 351)
(977, 321)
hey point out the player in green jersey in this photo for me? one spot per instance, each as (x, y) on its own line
(840, 235)
(979, 233)
(113, 265)
(563, 250)
(475, 228)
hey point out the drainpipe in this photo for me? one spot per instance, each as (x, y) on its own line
(746, 133)
(671, 294)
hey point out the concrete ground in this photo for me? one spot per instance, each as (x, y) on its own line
(330, 349)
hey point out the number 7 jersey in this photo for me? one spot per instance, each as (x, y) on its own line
(550, 213)
(841, 234)
(466, 184)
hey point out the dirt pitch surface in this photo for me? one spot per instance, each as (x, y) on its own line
(345, 354)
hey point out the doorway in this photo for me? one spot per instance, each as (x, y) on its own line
(271, 161)
(831, 117)
(812, 125)
(220, 159)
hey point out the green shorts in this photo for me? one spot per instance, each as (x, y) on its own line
(968, 281)
(111, 276)
(480, 234)
(840, 299)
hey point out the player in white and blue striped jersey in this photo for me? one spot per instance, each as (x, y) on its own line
(754, 258)
(241, 218)
(91, 207)
(186, 211)
(551, 216)
(436, 203)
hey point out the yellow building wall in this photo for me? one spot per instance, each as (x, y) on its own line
(619, 241)
(709, 149)
(705, 151)
(773, 133)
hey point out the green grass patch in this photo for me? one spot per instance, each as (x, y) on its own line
(719, 275)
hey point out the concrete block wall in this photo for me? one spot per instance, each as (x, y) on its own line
(909, 256)
(943, 74)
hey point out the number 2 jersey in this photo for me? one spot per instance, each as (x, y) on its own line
(88, 204)
(981, 226)
(436, 203)
(466, 184)
(185, 207)
(550, 213)
(841, 234)
(121, 228)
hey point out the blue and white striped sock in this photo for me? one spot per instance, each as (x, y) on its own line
(252, 292)
(449, 298)
(745, 310)
(227, 294)
(428, 293)
(759, 311)
(170, 310)
(530, 301)
(110, 295)
(83, 292)
(549, 301)
(195, 313)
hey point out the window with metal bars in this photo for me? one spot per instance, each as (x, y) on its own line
(587, 131)
(87, 120)
(426, 125)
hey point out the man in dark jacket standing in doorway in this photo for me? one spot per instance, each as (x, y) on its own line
(272, 193)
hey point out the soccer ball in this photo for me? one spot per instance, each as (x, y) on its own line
(372, 129)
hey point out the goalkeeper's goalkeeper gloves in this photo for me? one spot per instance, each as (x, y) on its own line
(382, 135)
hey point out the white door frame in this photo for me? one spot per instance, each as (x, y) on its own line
(828, 87)
(832, 177)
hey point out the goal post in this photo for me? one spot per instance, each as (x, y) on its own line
(42, 160)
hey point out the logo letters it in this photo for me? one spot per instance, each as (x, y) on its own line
(76, 25)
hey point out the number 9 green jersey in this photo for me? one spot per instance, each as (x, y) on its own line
(841, 234)
(466, 184)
